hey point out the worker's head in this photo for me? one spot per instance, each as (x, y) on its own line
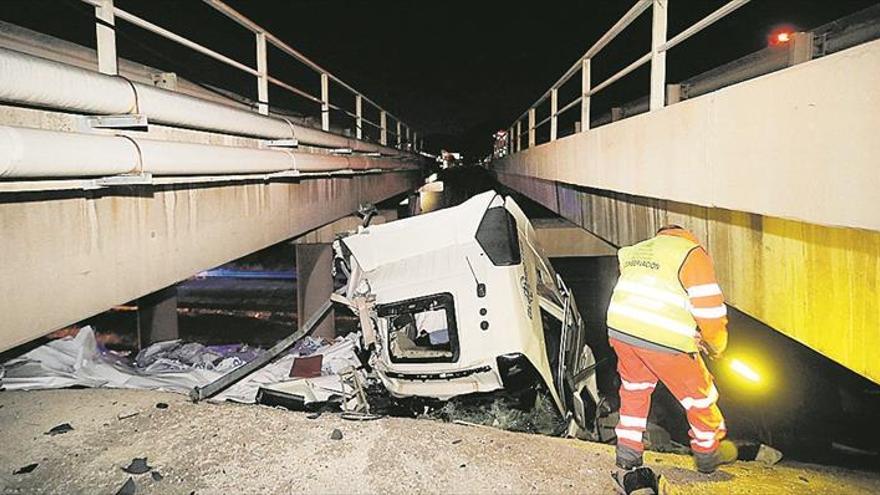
(670, 226)
(677, 230)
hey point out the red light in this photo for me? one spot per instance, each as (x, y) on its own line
(780, 35)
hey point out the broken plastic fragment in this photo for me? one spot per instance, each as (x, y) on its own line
(138, 466)
(26, 469)
(128, 488)
(60, 429)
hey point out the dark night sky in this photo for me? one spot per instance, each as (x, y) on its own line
(457, 70)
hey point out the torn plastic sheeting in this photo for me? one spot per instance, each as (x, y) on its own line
(77, 361)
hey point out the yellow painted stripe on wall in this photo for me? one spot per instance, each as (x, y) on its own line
(818, 285)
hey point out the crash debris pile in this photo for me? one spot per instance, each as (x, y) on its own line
(174, 366)
(312, 375)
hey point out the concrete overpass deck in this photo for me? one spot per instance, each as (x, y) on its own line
(777, 175)
(121, 181)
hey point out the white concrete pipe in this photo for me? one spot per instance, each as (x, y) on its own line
(38, 82)
(36, 153)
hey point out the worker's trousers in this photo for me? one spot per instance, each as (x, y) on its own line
(685, 375)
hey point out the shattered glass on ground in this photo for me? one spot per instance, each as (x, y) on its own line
(499, 411)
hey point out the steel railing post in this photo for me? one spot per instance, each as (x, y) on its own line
(518, 135)
(399, 136)
(408, 141)
(415, 141)
(105, 35)
(325, 101)
(585, 94)
(554, 107)
(531, 127)
(658, 55)
(359, 119)
(263, 78)
(510, 145)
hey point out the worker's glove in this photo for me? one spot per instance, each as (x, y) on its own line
(708, 351)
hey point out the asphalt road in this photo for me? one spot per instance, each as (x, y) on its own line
(228, 448)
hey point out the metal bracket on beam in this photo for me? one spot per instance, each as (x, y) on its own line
(126, 122)
(145, 179)
(285, 174)
(282, 143)
(341, 151)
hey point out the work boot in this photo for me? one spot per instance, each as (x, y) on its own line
(628, 458)
(639, 481)
(726, 453)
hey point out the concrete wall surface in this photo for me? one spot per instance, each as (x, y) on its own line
(72, 254)
(815, 284)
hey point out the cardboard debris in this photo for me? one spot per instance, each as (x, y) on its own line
(306, 367)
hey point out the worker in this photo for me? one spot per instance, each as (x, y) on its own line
(665, 310)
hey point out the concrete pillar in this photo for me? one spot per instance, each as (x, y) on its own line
(157, 317)
(673, 93)
(800, 48)
(314, 283)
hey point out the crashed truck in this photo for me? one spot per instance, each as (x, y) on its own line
(462, 301)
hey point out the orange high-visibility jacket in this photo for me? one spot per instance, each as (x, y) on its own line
(667, 295)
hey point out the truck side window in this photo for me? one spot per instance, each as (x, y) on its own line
(498, 237)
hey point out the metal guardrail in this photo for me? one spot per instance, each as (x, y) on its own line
(106, 14)
(656, 56)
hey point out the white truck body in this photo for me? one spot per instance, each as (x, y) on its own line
(461, 301)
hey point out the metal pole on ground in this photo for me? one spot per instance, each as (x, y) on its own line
(201, 393)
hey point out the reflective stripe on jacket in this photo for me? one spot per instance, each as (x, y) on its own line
(649, 301)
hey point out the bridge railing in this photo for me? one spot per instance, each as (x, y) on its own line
(402, 135)
(656, 55)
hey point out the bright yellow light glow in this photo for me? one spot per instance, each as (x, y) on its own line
(744, 370)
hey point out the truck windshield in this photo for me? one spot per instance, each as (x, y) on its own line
(422, 329)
